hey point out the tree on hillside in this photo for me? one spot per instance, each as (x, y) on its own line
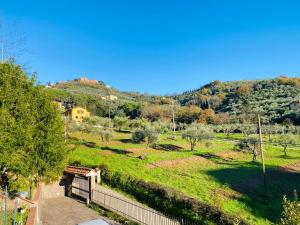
(249, 144)
(244, 90)
(285, 140)
(152, 135)
(105, 134)
(120, 122)
(32, 134)
(196, 133)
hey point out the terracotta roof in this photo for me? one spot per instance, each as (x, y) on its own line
(78, 170)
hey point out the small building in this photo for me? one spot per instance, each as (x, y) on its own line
(295, 105)
(110, 97)
(77, 114)
(80, 181)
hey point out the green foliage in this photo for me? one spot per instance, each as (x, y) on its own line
(291, 211)
(196, 133)
(137, 124)
(138, 136)
(271, 97)
(105, 134)
(32, 138)
(285, 140)
(120, 122)
(249, 144)
(152, 134)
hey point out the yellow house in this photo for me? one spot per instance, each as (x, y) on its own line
(77, 114)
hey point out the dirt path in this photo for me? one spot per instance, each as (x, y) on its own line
(67, 211)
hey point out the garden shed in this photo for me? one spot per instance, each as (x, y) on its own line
(80, 181)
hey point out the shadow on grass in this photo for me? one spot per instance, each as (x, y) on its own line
(247, 179)
(126, 140)
(168, 147)
(287, 157)
(217, 159)
(116, 150)
(124, 131)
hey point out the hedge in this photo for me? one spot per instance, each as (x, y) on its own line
(168, 200)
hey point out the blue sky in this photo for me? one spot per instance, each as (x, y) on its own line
(158, 46)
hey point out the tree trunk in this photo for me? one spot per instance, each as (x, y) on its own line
(254, 155)
(284, 150)
(193, 146)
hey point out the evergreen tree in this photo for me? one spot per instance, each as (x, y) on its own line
(32, 138)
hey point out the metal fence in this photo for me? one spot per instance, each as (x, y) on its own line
(134, 211)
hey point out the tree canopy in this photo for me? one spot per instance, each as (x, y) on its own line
(32, 135)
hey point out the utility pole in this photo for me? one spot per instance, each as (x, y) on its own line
(262, 153)
(65, 128)
(173, 117)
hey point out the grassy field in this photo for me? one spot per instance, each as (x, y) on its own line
(214, 173)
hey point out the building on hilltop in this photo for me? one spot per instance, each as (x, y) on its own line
(85, 80)
(77, 114)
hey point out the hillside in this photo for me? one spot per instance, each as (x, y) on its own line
(270, 97)
(239, 99)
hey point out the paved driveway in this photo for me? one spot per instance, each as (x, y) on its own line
(67, 211)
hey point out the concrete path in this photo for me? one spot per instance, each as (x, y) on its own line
(67, 211)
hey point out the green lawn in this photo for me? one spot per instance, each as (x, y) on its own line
(214, 173)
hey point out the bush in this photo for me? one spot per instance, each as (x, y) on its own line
(291, 211)
(152, 135)
(138, 136)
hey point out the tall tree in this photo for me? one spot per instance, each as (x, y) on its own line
(32, 135)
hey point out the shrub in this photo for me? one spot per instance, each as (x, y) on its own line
(152, 136)
(138, 136)
(291, 211)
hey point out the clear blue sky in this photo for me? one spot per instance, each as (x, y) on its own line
(158, 46)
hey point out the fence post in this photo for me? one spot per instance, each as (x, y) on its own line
(16, 211)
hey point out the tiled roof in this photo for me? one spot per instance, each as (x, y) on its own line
(78, 170)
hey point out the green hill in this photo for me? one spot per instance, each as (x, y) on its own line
(239, 99)
(270, 97)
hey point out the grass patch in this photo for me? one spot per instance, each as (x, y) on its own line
(213, 173)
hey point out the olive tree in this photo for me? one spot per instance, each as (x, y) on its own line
(285, 140)
(152, 135)
(120, 122)
(105, 134)
(196, 133)
(249, 144)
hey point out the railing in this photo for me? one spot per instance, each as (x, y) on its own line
(134, 211)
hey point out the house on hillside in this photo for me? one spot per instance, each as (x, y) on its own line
(110, 97)
(295, 105)
(77, 114)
